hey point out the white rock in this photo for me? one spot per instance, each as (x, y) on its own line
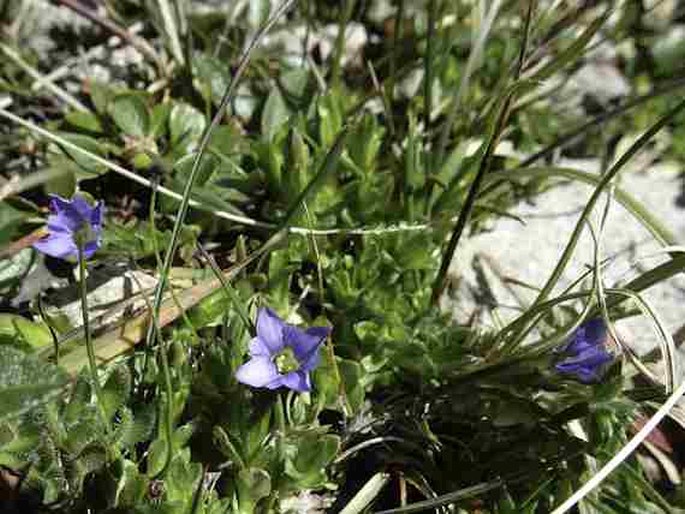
(112, 286)
(529, 253)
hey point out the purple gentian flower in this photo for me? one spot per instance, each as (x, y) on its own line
(587, 355)
(72, 223)
(281, 354)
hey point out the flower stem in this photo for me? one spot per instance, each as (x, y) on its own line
(169, 409)
(92, 365)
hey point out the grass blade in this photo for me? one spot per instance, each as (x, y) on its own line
(446, 499)
(484, 167)
(660, 232)
(603, 183)
(471, 63)
(572, 52)
(623, 454)
(367, 494)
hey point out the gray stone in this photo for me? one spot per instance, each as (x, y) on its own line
(528, 253)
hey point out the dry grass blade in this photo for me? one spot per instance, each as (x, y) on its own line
(125, 336)
(623, 454)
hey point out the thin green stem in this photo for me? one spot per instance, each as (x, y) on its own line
(396, 49)
(498, 128)
(336, 67)
(238, 304)
(197, 495)
(168, 408)
(53, 335)
(465, 212)
(92, 365)
(183, 209)
(474, 58)
(428, 63)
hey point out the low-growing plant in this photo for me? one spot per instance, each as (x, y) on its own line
(283, 223)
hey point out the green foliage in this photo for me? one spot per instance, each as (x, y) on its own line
(455, 414)
(25, 382)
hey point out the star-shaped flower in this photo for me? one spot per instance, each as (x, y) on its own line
(586, 352)
(72, 223)
(282, 355)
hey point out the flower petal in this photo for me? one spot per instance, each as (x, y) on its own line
(90, 248)
(58, 244)
(589, 335)
(593, 357)
(81, 205)
(312, 361)
(65, 214)
(257, 372)
(305, 343)
(275, 383)
(97, 216)
(59, 223)
(297, 381)
(258, 348)
(585, 374)
(595, 331)
(270, 329)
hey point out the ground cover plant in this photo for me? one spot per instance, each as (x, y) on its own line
(227, 232)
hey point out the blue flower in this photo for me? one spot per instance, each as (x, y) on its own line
(72, 223)
(282, 355)
(586, 353)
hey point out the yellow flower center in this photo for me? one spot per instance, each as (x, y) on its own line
(286, 362)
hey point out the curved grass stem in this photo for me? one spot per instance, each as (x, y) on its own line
(601, 186)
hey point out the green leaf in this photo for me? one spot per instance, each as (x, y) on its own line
(116, 390)
(158, 448)
(328, 165)
(364, 143)
(65, 184)
(186, 125)
(211, 77)
(330, 119)
(10, 219)
(351, 375)
(158, 119)
(100, 95)
(223, 441)
(26, 382)
(208, 165)
(271, 160)
(131, 487)
(295, 82)
(182, 478)
(130, 114)
(226, 141)
(81, 165)
(314, 453)
(296, 164)
(275, 114)
(253, 484)
(84, 120)
(138, 425)
(22, 333)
